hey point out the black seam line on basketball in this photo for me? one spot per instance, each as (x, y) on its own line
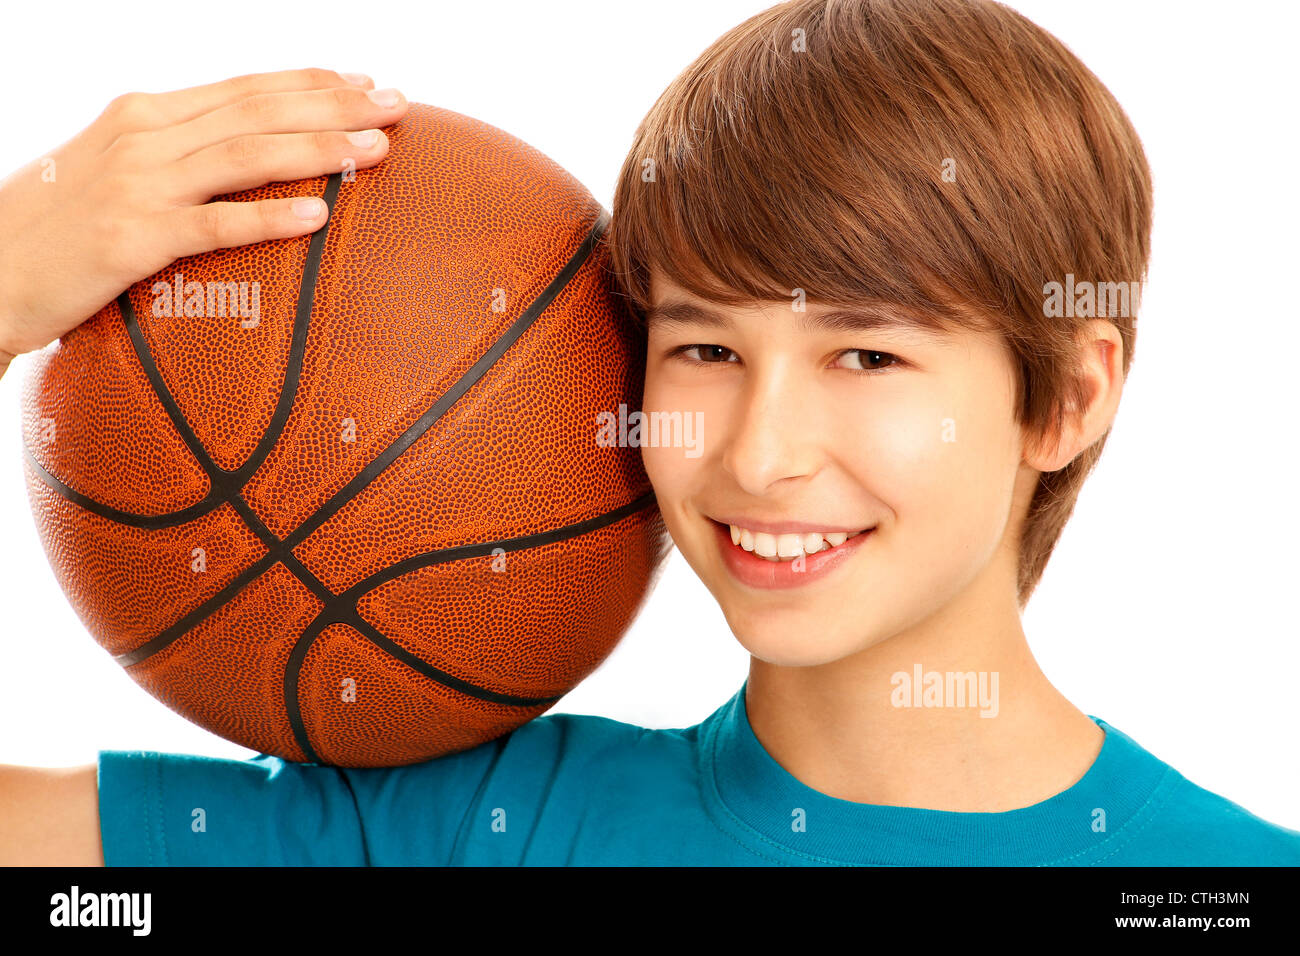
(217, 493)
(209, 503)
(276, 549)
(220, 491)
(225, 485)
(298, 346)
(228, 593)
(290, 686)
(343, 610)
(368, 631)
(523, 542)
(196, 616)
(293, 668)
(274, 553)
(453, 394)
(390, 454)
(281, 550)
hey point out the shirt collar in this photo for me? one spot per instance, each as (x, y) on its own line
(758, 795)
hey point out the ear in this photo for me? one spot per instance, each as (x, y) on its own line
(1101, 372)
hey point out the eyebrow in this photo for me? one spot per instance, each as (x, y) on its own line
(866, 318)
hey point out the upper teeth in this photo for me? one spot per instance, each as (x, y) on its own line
(783, 547)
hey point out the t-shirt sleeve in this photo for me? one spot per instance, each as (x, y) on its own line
(164, 809)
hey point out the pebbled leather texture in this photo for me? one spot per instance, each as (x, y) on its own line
(373, 526)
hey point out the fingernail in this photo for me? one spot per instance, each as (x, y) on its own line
(356, 79)
(387, 97)
(308, 208)
(365, 138)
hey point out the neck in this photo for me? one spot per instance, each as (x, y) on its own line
(857, 729)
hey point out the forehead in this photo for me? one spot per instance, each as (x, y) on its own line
(672, 308)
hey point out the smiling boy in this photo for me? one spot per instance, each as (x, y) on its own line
(808, 437)
(838, 225)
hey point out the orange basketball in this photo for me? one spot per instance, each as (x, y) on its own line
(342, 498)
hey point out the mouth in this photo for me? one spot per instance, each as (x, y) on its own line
(786, 546)
(791, 566)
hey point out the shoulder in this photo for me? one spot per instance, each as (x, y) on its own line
(591, 742)
(1218, 832)
(1185, 824)
(580, 758)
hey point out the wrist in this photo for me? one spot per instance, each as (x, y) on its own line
(10, 322)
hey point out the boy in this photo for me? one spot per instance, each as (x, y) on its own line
(841, 225)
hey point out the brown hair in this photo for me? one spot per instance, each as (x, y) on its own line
(807, 147)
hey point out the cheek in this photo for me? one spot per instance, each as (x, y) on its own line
(943, 464)
(676, 470)
(664, 468)
(669, 473)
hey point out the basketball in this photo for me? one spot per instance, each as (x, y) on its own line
(342, 498)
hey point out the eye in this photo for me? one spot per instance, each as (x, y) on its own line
(709, 354)
(871, 361)
(868, 361)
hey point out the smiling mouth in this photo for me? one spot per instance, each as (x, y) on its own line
(786, 547)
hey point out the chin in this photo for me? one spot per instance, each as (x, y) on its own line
(788, 645)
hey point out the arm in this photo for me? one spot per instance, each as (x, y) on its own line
(49, 817)
(131, 193)
(113, 205)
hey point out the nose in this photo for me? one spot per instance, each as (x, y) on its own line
(772, 436)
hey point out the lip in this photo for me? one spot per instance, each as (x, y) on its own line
(783, 527)
(758, 572)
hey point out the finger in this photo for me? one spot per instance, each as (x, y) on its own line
(340, 108)
(184, 105)
(136, 112)
(221, 225)
(249, 161)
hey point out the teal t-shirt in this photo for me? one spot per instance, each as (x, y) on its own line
(567, 789)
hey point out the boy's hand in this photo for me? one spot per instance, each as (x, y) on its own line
(129, 194)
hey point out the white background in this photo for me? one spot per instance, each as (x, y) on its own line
(1169, 606)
